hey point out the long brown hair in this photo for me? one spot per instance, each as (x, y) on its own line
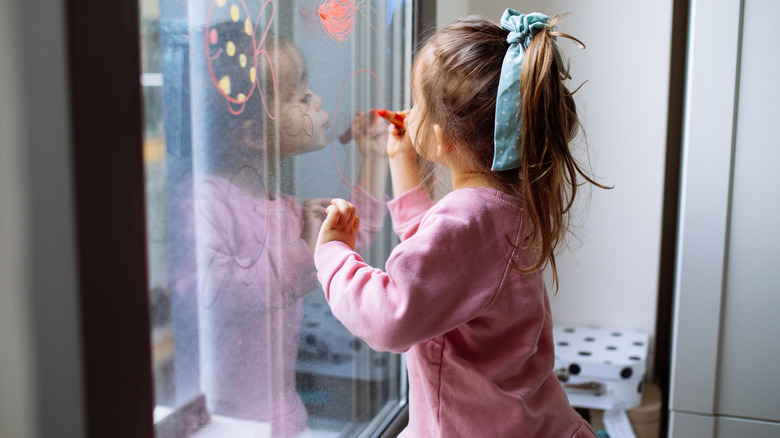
(459, 89)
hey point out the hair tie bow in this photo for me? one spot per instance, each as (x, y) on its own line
(522, 28)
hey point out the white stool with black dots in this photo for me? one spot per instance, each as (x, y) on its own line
(600, 368)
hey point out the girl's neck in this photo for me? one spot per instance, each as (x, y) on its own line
(471, 179)
(465, 173)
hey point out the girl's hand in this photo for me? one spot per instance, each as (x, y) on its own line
(398, 141)
(313, 215)
(404, 168)
(342, 224)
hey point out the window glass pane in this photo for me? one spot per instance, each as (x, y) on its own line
(257, 112)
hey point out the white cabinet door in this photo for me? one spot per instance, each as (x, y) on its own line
(751, 303)
(728, 266)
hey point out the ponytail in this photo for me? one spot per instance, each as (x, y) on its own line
(549, 172)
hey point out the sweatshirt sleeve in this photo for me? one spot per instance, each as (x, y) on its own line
(435, 280)
(408, 210)
(372, 213)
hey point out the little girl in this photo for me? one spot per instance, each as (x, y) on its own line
(463, 293)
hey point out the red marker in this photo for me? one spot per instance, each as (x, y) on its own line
(393, 117)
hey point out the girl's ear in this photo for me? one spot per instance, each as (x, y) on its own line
(441, 148)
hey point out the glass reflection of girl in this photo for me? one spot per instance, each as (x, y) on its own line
(255, 244)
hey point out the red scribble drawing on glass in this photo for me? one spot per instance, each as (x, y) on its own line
(236, 43)
(338, 18)
(335, 116)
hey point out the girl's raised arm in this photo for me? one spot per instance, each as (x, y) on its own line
(404, 167)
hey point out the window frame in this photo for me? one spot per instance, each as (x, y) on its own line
(106, 133)
(110, 213)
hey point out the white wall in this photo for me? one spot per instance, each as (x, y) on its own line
(40, 370)
(611, 276)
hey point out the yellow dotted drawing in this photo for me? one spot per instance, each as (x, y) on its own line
(232, 49)
(224, 85)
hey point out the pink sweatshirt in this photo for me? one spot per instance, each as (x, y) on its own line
(478, 334)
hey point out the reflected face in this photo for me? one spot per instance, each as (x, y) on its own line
(302, 123)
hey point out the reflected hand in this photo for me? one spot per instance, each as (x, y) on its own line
(369, 135)
(342, 224)
(313, 215)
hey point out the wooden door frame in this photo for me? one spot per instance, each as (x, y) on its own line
(106, 131)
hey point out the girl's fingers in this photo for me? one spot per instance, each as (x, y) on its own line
(342, 223)
(395, 130)
(333, 216)
(350, 213)
(346, 211)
